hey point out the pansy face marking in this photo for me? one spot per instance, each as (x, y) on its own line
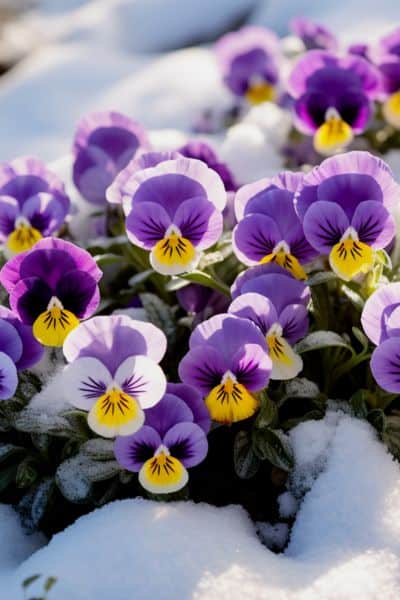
(333, 135)
(260, 91)
(116, 409)
(53, 325)
(230, 401)
(24, 236)
(281, 256)
(350, 257)
(391, 109)
(174, 250)
(163, 473)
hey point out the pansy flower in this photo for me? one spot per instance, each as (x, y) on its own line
(114, 373)
(381, 323)
(173, 439)
(314, 36)
(249, 63)
(228, 363)
(333, 97)
(33, 203)
(387, 58)
(18, 350)
(344, 206)
(52, 287)
(175, 212)
(104, 144)
(268, 228)
(203, 151)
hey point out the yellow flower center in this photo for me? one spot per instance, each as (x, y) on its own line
(115, 413)
(260, 92)
(230, 401)
(23, 238)
(334, 135)
(53, 325)
(163, 473)
(350, 257)
(286, 261)
(391, 110)
(173, 254)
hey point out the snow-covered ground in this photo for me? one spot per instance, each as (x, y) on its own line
(344, 544)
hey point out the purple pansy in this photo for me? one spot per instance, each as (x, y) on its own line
(31, 350)
(104, 144)
(344, 205)
(203, 151)
(281, 317)
(381, 323)
(227, 362)
(313, 35)
(333, 97)
(387, 57)
(114, 373)
(268, 228)
(249, 63)
(33, 203)
(172, 440)
(52, 287)
(175, 212)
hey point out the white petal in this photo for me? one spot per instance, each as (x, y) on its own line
(289, 367)
(79, 381)
(143, 379)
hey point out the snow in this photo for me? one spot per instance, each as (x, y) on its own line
(288, 505)
(344, 543)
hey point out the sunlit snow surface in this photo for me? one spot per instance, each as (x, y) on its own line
(344, 544)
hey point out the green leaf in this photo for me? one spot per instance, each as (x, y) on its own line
(29, 580)
(208, 281)
(377, 418)
(268, 413)
(391, 435)
(160, 314)
(359, 404)
(245, 461)
(26, 474)
(300, 387)
(7, 476)
(361, 337)
(321, 339)
(49, 583)
(320, 278)
(8, 450)
(98, 449)
(137, 280)
(274, 446)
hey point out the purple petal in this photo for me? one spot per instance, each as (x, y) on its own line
(187, 442)
(29, 298)
(254, 237)
(194, 401)
(168, 412)
(257, 308)
(252, 366)
(385, 365)
(32, 351)
(132, 451)
(203, 368)
(114, 338)
(8, 377)
(48, 265)
(10, 342)
(199, 222)
(324, 224)
(9, 211)
(147, 224)
(294, 322)
(45, 212)
(378, 309)
(78, 292)
(374, 225)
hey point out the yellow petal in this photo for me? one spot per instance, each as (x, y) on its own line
(332, 136)
(163, 474)
(115, 413)
(286, 364)
(52, 326)
(23, 238)
(230, 402)
(173, 254)
(350, 258)
(260, 92)
(288, 262)
(391, 110)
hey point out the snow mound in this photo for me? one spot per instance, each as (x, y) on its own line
(344, 544)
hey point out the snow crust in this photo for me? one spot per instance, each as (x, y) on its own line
(344, 543)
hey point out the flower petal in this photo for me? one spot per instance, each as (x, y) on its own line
(143, 379)
(374, 224)
(255, 307)
(324, 224)
(385, 365)
(146, 224)
(187, 442)
(132, 451)
(168, 412)
(85, 381)
(8, 377)
(254, 237)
